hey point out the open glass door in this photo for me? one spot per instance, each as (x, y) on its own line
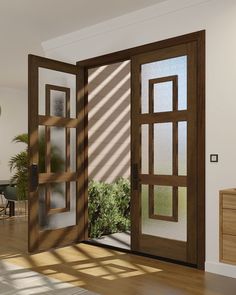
(164, 153)
(57, 210)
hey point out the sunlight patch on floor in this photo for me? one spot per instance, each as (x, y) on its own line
(18, 280)
(72, 263)
(116, 269)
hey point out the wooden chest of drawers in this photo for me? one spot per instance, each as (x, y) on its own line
(228, 226)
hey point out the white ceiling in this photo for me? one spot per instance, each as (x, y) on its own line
(25, 24)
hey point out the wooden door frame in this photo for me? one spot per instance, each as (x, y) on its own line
(120, 56)
(75, 233)
(146, 242)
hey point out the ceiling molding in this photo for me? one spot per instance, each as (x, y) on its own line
(139, 16)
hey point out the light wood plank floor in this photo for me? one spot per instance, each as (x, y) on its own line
(109, 272)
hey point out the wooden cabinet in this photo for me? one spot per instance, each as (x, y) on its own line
(228, 226)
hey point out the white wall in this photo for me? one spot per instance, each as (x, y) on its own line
(13, 121)
(168, 19)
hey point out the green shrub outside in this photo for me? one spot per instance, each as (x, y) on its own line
(108, 207)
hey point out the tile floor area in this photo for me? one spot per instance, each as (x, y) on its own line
(15, 280)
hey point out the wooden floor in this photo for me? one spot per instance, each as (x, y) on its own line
(109, 272)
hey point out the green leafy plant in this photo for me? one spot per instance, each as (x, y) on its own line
(19, 163)
(108, 207)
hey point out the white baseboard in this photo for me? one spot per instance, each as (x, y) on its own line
(221, 269)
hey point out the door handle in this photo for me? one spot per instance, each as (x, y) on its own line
(34, 177)
(135, 177)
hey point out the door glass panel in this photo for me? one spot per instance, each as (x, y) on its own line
(57, 195)
(161, 228)
(163, 200)
(72, 150)
(182, 148)
(164, 68)
(163, 97)
(163, 148)
(145, 203)
(42, 150)
(58, 149)
(144, 148)
(57, 98)
(58, 220)
(57, 103)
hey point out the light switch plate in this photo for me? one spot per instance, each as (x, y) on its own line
(214, 158)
